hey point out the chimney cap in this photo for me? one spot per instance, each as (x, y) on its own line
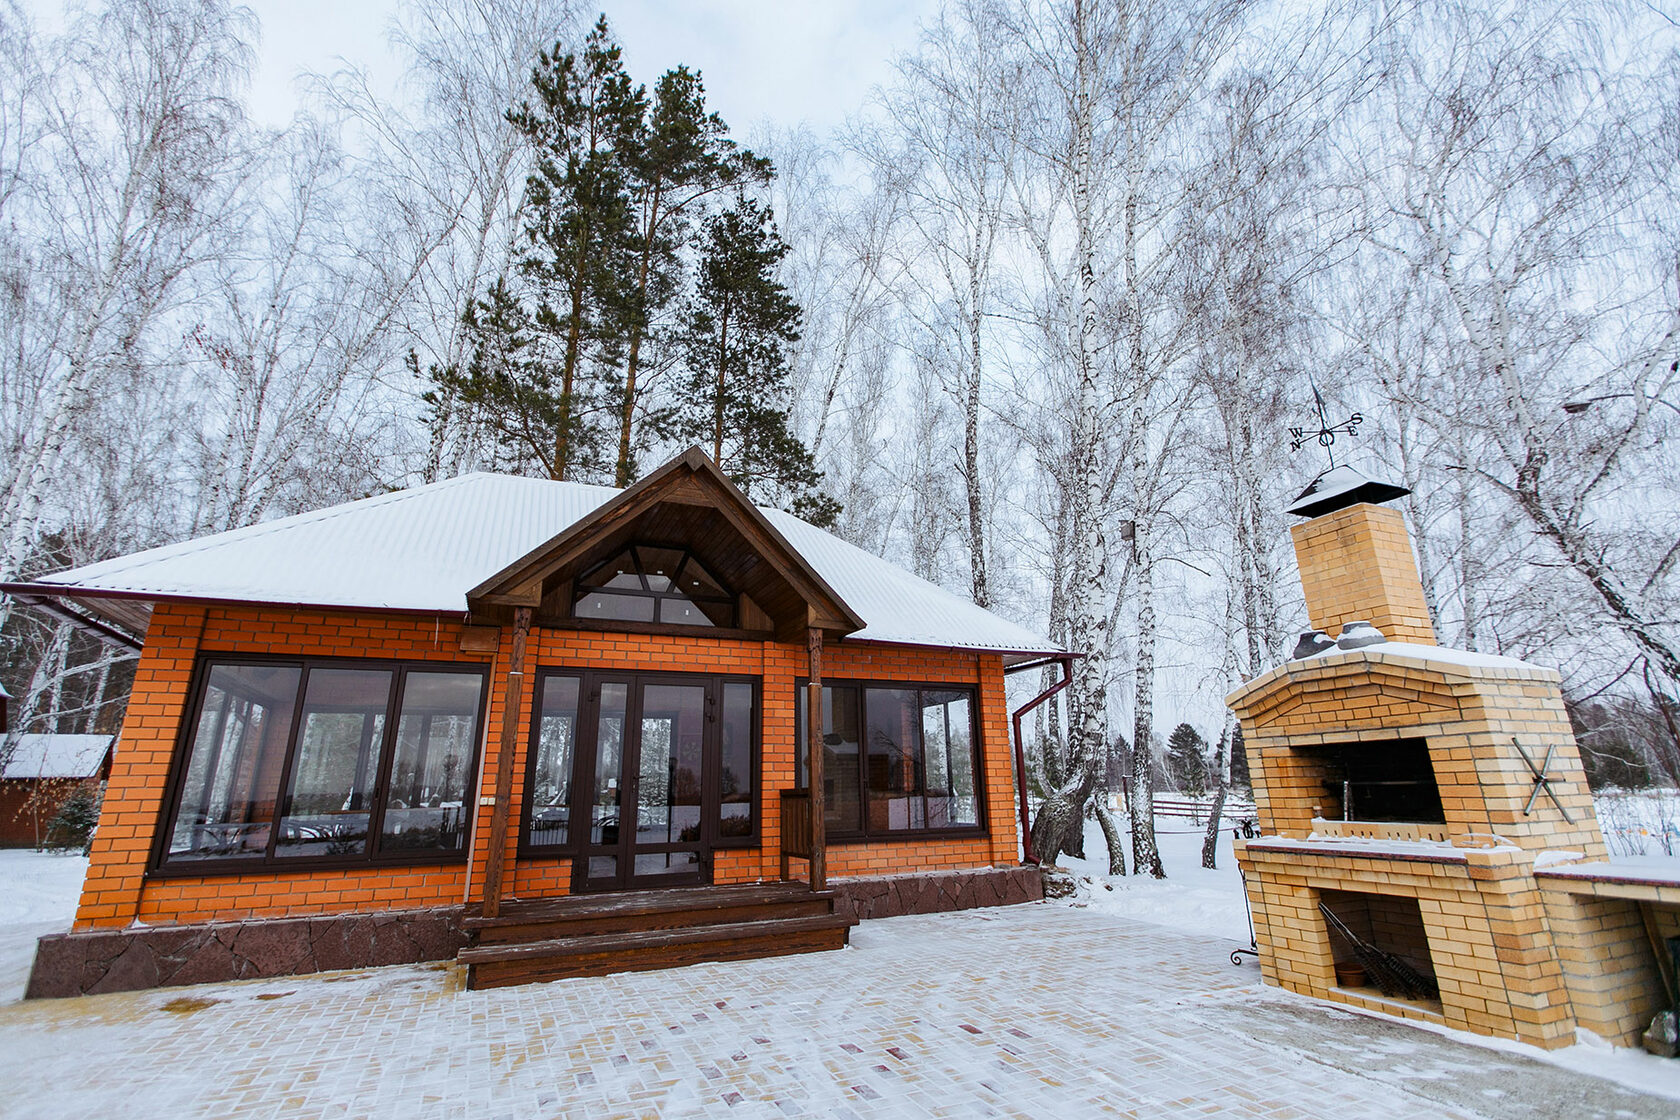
(1340, 487)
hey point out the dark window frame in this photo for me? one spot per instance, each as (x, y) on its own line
(158, 865)
(864, 835)
(728, 598)
(590, 680)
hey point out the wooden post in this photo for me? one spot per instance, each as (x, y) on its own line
(502, 790)
(814, 741)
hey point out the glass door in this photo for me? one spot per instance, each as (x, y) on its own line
(648, 782)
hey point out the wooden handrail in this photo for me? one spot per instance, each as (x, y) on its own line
(796, 826)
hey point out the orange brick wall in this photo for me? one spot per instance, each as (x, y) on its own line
(117, 891)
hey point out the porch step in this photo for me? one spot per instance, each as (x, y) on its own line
(591, 935)
(673, 908)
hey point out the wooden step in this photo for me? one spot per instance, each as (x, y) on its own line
(499, 965)
(584, 915)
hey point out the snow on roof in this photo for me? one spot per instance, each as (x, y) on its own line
(1427, 851)
(57, 756)
(1340, 487)
(1439, 655)
(425, 548)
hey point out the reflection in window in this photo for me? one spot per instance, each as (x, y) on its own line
(609, 755)
(327, 807)
(647, 584)
(334, 758)
(913, 767)
(426, 808)
(550, 782)
(233, 766)
(668, 783)
(736, 750)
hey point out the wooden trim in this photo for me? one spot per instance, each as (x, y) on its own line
(503, 790)
(814, 745)
(691, 470)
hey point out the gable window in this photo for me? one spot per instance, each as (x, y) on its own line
(286, 762)
(649, 583)
(898, 758)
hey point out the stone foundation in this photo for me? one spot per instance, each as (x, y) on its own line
(936, 892)
(73, 964)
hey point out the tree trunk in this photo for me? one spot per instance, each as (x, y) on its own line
(979, 586)
(1111, 834)
(1146, 856)
(1221, 782)
(633, 361)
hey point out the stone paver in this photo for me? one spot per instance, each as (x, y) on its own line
(1029, 1011)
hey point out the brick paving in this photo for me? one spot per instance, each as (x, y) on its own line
(1026, 1011)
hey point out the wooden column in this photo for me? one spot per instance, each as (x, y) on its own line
(502, 789)
(814, 743)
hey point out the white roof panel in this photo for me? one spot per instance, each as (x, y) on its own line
(425, 548)
(57, 756)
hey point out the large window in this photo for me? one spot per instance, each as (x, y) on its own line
(287, 762)
(896, 759)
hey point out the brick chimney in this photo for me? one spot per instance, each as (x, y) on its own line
(1356, 559)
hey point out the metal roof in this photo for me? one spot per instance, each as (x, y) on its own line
(1340, 487)
(57, 756)
(424, 548)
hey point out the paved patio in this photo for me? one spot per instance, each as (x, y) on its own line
(1031, 1011)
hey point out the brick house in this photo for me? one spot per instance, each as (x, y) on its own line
(460, 716)
(44, 770)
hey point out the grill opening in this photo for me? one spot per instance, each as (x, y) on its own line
(1390, 781)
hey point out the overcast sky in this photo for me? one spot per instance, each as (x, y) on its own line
(785, 61)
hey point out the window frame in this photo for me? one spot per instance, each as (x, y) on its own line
(270, 862)
(863, 684)
(729, 598)
(590, 679)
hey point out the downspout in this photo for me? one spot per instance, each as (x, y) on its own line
(1066, 660)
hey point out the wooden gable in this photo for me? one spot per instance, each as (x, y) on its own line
(687, 503)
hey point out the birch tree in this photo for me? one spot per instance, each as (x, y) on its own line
(1512, 181)
(138, 181)
(955, 122)
(1119, 84)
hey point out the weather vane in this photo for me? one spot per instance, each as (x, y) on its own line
(1327, 432)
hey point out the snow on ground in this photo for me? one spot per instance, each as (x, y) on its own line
(905, 1023)
(1191, 898)
(1640, 823)
(38, 892)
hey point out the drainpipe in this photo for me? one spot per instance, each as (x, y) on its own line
(1066, 661)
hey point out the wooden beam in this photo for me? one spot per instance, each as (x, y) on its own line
(502, 792)
(814, 740)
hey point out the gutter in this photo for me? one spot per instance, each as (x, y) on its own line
(1066, 662)
(53, 604)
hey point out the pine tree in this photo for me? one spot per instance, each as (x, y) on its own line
(681, 155)
(72, 826)
(1239, 761)
(547, 341)
(736, 332)
(1187, 759)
